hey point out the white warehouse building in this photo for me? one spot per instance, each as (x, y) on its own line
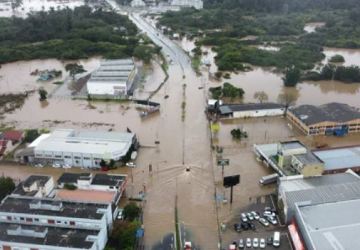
(113, 79)
(251, 110)
(80, 148)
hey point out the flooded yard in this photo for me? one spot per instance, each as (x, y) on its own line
(16, 77)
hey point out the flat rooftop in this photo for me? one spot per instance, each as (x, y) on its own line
(73, 177)
(82, 195)
(97, 179)
(291, 145)
(339, 158)
(308, 158)
(298, 183)
(47, 236)
(115, 144)
(332, 225)
(108, 179)
(331, 112)
(38, 206)
(40, 181)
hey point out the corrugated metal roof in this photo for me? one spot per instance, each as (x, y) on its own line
(113, 144)
(331, 112)
(331, 225)
(340, 158)
(300, 184)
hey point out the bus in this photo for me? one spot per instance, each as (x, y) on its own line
(269, 179)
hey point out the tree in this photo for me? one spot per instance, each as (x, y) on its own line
(111, 164)
(131, 211)
(337, 59)
(287, 99)
(31, 135)
(123, 235)
(103, 163)
(43, 94)
(261, 96)
(292, 76)
(74, 69)
(7, 185)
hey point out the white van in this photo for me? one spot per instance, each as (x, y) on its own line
(276, 240)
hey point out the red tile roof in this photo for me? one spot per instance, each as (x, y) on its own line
(13, 135)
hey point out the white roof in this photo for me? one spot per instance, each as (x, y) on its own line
(103, 144)
(38, 140)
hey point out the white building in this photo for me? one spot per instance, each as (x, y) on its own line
(56, 214)
(88, 181)
(197, 4)
(251, 110)
(25, 237)
(113, 79)
(35, 186)
(81, 148)
(138, 3)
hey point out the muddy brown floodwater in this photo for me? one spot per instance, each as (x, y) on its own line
(311, 27)
(183, 142)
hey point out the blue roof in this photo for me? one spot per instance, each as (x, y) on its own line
(340, 158)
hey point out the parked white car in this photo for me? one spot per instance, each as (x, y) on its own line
(120, 215)
(262, 243)
(131, 164)
(255, 243)
(56, 165)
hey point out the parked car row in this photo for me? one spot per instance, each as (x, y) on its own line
(256, 242)
(268, 217)
(54, 165)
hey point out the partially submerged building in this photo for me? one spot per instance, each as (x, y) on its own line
(79, 148)
(340, 159)
(329, 119)
(250, 110)
(331, 225)
(113, 79)
(289, 158)
(294, 190)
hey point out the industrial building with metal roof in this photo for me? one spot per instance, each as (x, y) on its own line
(316, 190)
(333, 225)
(339, 159)
(113, 79)
(328, 119)
(81, 148)
(251, 110)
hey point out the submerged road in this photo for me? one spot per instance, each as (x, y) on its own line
(184, 136)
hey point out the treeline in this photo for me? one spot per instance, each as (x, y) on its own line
(276, 6)
(339, 73)
(68, 34)
(235, 27)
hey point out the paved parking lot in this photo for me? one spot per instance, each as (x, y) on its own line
(260, 231)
